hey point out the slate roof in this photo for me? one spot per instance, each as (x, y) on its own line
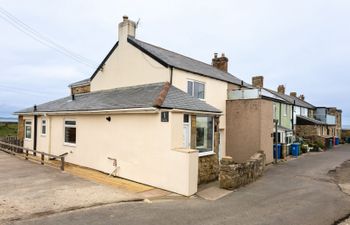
(141, 96)
(173, 59)
(80, 83)
(291, 99)
(303, 120)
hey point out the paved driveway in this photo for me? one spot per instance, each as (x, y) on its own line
(293, 193)
(29, 190)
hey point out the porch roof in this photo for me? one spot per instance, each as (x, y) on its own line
(303, 120)
(156, 95)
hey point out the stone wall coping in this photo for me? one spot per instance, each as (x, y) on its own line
(234, 175)
(206, 154)
(185, 150)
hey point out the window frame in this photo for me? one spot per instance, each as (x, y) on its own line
(188, 125)
(186, 115)
(25, 129)
(285, 109)
(43, 125)
(64, 132)
(274, 111)
(192, 88)
(164, 116)
(211, 152)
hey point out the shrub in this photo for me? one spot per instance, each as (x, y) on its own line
(319, 145)
(304, 148)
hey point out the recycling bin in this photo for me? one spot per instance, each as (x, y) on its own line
(279, 151)
(337, 141)
(295, 149)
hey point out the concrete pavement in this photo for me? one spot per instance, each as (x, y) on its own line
(29, 190)
(296, 192)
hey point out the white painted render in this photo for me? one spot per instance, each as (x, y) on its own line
(300, 111)
(128, 66)
(215, 95)
(147, 150)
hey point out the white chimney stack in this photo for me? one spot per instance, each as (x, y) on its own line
(126, 28)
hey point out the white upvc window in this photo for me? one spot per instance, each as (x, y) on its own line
(285, 110)
(70, 134)
(43, 126)
(274, 109)
(196, 89)
(205, 135)
(28, 129)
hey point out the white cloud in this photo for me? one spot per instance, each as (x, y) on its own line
(303, 44)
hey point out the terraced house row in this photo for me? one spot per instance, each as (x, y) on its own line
(163, 119)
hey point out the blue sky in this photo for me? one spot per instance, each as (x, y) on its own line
(301, 44)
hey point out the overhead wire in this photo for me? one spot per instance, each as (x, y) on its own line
(44, 40)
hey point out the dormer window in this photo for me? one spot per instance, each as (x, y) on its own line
(196, 89)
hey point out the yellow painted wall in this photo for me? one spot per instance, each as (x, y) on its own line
(128, 66)
(148, 150)
(176, 130)
(215, 94)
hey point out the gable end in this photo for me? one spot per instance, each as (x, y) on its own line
(148, 53)
(104, 61)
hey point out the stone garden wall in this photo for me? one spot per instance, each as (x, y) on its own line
(208, 169)
(234, 175)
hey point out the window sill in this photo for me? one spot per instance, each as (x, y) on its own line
(43, 135)
(69, 144)
(27, 139)
(201, 154)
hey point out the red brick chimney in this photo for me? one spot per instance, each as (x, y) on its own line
(281, 89)
(294, 94)
(220, 62)
(258, 81)
(302, 97)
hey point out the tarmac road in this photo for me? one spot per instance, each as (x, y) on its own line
(296, 192)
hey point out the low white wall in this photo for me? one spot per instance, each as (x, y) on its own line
(141, 143)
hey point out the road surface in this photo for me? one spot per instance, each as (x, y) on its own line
(296, 192)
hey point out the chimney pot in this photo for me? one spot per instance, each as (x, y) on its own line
(126, 28)
(258, 81)
(294, 94)
(220, 63)
(281, 89)
(302, 97)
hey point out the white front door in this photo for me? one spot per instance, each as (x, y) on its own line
(186, 135)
